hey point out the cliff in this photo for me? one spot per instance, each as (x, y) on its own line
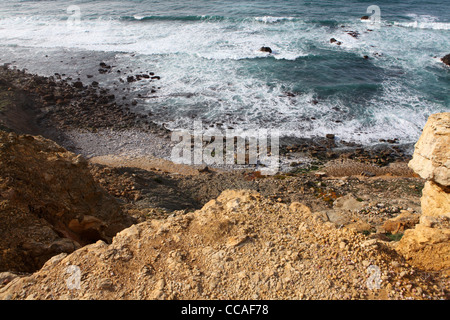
(428, 244)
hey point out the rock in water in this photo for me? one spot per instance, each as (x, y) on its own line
(446, 59)
(333, 40)
(266, 49)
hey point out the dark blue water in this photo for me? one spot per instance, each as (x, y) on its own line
(206, 53)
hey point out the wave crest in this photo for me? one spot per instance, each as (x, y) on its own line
(424, 25)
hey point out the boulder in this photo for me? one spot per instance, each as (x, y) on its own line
(266, 49)
(427, 246)
(431, 158)
(402, 222)
(348, 203)
(435, 200)
(446, 59)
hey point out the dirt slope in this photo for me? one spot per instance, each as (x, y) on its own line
(239, 246)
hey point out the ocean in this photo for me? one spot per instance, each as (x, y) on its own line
(380, 79)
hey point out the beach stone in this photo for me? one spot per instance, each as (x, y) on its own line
(354, 34)
(339, 218)
(104, 65)
(78, 84)
(333, 40)
(348, 202)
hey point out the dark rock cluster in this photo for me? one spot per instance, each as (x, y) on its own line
(71, 104)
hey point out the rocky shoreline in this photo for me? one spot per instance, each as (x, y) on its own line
(72, 112)
(142, 227)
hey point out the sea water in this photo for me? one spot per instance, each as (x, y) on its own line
(207, 55)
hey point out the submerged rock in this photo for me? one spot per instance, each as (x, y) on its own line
(446, 59)
(333, 40)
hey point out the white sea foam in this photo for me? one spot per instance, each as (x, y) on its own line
(424, 25)
(423, 22)
(270, 19)
(199, 65)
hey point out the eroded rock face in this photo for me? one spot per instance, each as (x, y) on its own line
(431, 159)
(428, 245)
(435, 200)
(49, 203)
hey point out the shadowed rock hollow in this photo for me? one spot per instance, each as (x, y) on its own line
(49, 203)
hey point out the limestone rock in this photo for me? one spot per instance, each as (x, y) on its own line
(339, 218)
(222, 251)
(348, 202)
(427, 247)
(401, 223)
(435, 199)
(431, 158)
